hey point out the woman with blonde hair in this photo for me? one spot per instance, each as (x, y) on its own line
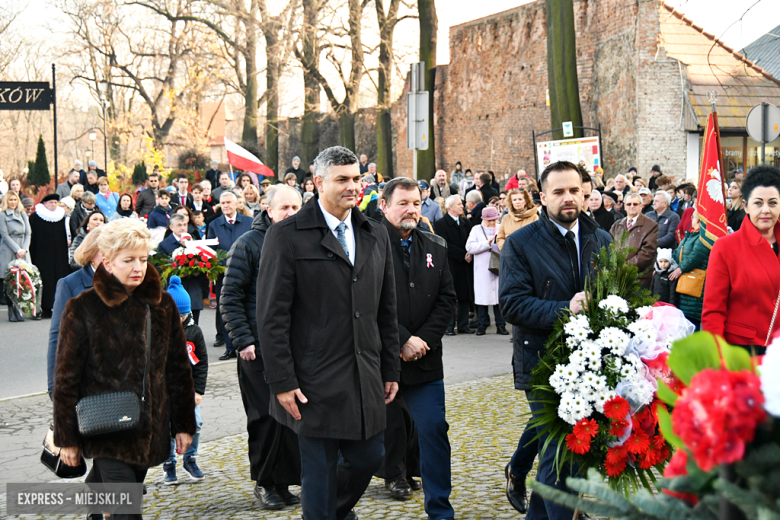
(15, 235)
(110, 337)
(521, 211)
(252, 198)
(76, 192)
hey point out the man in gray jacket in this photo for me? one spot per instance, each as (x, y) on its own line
(667, 219)
(63, 189)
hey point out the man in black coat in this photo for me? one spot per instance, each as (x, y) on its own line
(475, 205)
(212, 174)
(544, 269)
(426, 304)
(329, 336)
(274, 459)
(226, 228)
(455, 229)
(146, 200)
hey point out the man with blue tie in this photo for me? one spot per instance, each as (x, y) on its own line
(328, 329)
(227, 229)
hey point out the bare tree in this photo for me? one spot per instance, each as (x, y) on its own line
(309, 56)
(9, 46)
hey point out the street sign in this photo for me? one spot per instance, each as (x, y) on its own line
(417, 120)
(568, 129)
(25, 95)
(763, 123)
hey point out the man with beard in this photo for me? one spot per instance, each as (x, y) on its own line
(327, 320)
(426, 304)
(439, 186)
(274, 460)
(544, 270)
(49, 247)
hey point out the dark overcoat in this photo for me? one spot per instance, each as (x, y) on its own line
(192, 284)
(102, 349)
(328, 327)
(456, 236)
(426, 301)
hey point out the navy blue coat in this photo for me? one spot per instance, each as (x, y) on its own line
(67, 288)
(227, 234)
(537, 283)
(159, 217)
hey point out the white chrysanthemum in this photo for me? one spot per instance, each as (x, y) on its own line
(639, 393)
(643, 311)
(614, 304)
(643, 330)
(601, 398)
(614, 339)
(566, 408)
(578, 358)
(577, 328)
(594, 364)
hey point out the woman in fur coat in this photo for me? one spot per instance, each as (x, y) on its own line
(102, 349)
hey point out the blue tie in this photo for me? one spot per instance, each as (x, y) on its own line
(341, 235)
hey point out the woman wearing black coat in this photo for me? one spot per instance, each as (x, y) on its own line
(602, 215)
(102, 349)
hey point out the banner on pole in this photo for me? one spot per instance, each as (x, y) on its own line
(25, 95)
(711, 201)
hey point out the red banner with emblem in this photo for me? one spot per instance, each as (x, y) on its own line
(711, 200)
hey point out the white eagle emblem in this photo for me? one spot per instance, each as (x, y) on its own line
(715, 187)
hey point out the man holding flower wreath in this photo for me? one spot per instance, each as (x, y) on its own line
(544, 269)
(192, 284)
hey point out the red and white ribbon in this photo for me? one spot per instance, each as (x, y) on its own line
(19, 272)
(191, 353)
(429, 260)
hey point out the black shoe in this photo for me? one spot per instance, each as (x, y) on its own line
(399, 489)
(449, 332)
(465, 331)
(289, 498)
(352, 515)
(515, 492)
(502, 331)
(269, 498)
(46, 315)
(229, 354)
(480, 332)
(416, 485)
(219, 343)
(473, 324)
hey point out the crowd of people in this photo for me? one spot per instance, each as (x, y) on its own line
(339, 343)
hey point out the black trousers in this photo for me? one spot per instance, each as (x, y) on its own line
(402, 450)
(462, 317)
(274, 457)
(112, 471)
(335, 473)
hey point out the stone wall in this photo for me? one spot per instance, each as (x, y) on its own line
(492, 95)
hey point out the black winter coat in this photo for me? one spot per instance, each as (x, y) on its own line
(663, 287)
(239, 286)
(537, 282)
(456, 236)
(426, 301)
(195, 341)
(77, 216)
(328, 327)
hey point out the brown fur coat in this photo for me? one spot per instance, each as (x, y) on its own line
(102, 348)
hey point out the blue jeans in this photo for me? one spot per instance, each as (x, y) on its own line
(192, 451)
(538, 508)
(426, 404)
(527, 448)
(335, 473)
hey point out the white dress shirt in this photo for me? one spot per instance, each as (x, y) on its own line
(349, 233)
(576, 231)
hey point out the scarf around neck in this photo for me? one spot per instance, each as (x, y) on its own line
(47, 215)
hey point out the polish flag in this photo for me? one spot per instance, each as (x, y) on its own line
(244, 160)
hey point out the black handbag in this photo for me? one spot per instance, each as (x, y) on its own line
(51, 459)
(115, 411)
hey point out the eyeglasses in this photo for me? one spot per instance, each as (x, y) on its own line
(629, 204)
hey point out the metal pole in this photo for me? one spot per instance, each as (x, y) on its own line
(105, 138)
(414, 163)
(54, 106)
(764, 130)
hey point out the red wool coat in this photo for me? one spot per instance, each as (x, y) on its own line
(742, 286)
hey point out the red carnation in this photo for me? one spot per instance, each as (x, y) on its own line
(208, 265)
(586, 429)
(190, 256)
(192, 263)
(200, 264)
(577, 445)
(615, 468)
(618, 428)
(616, 408)
(638, 442)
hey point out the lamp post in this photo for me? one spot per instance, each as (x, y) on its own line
(103, 88)
(92, 137)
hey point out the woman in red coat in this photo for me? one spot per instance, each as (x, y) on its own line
(743, 279)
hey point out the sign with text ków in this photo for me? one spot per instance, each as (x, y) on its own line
(25, 95)
(583, 150)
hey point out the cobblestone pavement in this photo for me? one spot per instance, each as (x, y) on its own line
(486, 419)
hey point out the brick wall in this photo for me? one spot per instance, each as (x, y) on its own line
(491, 96)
